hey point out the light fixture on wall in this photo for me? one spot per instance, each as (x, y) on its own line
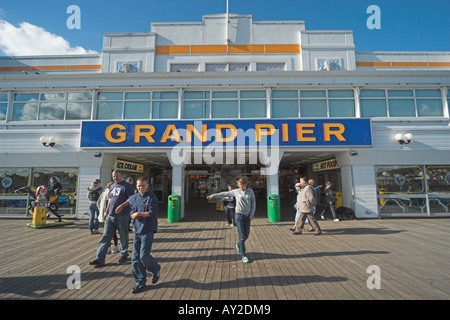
(48, 141)
(404, 138)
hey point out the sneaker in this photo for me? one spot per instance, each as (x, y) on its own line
(322, 217)
(96, 263)
(318, 233)
(237, 247)
(155, 277)
(245, 260)
(115, 250)
(336, 220)
(123, 259)
(109, 250)
(138, 288)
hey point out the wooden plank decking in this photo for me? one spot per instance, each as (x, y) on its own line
(199, 261)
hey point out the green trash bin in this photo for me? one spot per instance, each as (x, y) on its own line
(273, 208)
(174, 208)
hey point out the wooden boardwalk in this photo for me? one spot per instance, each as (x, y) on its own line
(199, 261)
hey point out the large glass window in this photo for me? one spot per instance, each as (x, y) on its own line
(253, 104)
(373, 103)
(18, 187)
(137, 105)
(165, 105)
(423, 190)
(285, 104)
(196, 105)
(52, 106)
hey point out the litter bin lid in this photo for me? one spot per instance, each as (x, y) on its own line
(273, 197)
(174, 197)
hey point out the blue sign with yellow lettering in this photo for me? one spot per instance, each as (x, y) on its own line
(201, 133)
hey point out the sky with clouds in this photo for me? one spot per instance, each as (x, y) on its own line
(31, 27)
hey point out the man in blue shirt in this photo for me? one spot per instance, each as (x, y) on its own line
(144, 209)
(117, 219)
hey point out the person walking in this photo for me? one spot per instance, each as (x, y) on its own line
(102, 204)
(330, 199)
(93, 196)
(244, 212)
(230, 205)
(117, 219)
(144, 210)
(306, 207)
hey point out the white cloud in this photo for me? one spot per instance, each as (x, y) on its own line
(29, 39)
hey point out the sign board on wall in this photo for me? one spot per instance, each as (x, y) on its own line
(326, 165)
(237, 132)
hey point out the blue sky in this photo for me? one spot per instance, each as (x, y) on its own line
(406, 25)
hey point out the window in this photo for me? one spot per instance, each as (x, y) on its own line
(223, 67)
(270, 67)
(12, 179)
(401, 103)
(373, 103)
(224, 104)
(413, 189)
(196, 105)
(165, 105)
(3, 105)
(137, 105)
(183, 67)
(52, 106)
(429, 103)
(285, 104)
(216, 67)
(253, 104)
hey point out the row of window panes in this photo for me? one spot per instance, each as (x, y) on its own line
(225, 104)
(11, 179)
(223, 67)
(137, 105)
(52, 106)
(413, 189)
(401, 103)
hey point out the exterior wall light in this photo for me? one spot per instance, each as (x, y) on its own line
(48, 141)
(404, 138)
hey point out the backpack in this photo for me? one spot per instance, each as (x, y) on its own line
(93, 195)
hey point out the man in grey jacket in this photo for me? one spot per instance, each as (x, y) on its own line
(306, 207)
(244, 212)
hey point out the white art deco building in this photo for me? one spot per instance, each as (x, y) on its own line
(194, 105)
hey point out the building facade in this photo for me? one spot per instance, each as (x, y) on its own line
(195, 105)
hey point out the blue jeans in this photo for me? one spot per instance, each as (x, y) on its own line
(93, 220)
(112, 223)
(243, 227)
(142, 260)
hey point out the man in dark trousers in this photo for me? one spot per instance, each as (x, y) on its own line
(144, 210)
(118, 218)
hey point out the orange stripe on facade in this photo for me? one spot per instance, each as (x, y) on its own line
(243, 49)
(173, 50)
(231, 49)
(373, 64)
(282, 48)
(219, 49)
